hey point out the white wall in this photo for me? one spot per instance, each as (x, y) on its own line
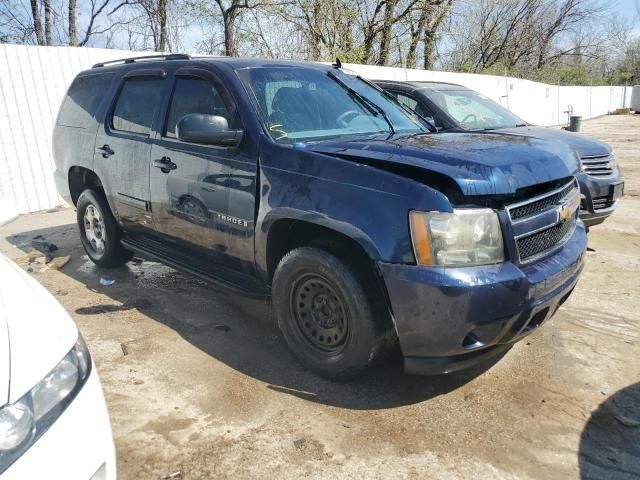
(33, 81)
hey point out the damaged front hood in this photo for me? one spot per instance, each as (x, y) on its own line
(480, 163)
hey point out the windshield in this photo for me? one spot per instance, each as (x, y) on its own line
(473, 110)
(299, 104)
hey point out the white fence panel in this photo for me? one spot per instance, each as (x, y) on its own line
(33, 81)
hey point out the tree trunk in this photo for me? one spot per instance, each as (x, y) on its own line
(429, 41)
(412, 56)
(436, 17)
(162, 23)
(47, 21)
(37, 25)
(230, 45)
(385, 39)
(73, 31)
(314, 37)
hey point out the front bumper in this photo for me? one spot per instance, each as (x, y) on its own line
(451, 318)
(78, 446)
(596, 204)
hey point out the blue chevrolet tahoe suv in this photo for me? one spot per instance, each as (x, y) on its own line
(454, 107)
(305, 184)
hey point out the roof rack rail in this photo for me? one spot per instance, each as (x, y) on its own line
(170, 56)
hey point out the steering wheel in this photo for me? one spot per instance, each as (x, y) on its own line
(468, 117)
(342, 119)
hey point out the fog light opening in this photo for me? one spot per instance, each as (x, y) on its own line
(538, 319)
(471, 342)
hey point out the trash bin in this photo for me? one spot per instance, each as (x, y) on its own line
(575, 122)
(635, 98)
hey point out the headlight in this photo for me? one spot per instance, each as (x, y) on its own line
(25, 421)
(464, 237)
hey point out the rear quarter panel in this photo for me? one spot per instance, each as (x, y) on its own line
(73, 145)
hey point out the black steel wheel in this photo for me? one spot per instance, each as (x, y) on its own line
(324, 314)
(320, 314)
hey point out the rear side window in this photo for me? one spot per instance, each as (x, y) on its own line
(196, 95)
(83, 99)
(136, 105)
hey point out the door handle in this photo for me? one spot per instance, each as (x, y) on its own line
(165, 164)
(105, 150)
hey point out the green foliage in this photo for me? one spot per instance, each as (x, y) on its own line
(629, 67)
(354, 55)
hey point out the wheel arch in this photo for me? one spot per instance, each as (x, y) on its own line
(286, 234)
(81, 178)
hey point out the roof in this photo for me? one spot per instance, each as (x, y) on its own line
(426, 85)
(234, 62)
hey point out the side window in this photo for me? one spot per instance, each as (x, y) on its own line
(136, 105)
(196, 95)
(83, 99)
(420, 108)
(408, 102)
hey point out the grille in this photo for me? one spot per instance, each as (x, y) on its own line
(597, 166)
(535, 240)
(539, 206)
(541, 242)
(600, 203)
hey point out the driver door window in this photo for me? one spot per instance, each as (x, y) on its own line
(196, 95)
(419, 108)
(408, 102)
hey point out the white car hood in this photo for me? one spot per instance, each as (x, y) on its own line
(35, 332)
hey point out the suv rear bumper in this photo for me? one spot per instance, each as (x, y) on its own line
(451, 318)
(62, 185)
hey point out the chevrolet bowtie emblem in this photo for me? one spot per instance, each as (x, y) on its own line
(565, 212)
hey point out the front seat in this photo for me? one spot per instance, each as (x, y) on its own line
(293, 109)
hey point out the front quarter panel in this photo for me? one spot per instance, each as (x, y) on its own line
(367, 204)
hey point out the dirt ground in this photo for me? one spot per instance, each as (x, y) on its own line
(201, 382)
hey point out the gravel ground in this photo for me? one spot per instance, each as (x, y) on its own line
(201, 382)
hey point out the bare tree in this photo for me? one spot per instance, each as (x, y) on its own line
(73, 29)
(37, 24)
(386, 31)
(228, 13)
(424, 24)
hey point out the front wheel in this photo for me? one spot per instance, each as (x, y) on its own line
(99, 232)
(324, 314)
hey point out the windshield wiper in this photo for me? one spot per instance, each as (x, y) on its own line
(368, 104)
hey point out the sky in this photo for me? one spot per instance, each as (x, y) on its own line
(629, 9)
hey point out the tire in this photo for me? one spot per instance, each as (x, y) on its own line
(324, 314)
(101, 236)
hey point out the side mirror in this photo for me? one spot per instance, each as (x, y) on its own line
(207, 129)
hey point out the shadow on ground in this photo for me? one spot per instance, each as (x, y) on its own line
(234, 330)
(610, 442)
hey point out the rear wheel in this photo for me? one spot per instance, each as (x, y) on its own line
(99, 232)
(324, 313)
